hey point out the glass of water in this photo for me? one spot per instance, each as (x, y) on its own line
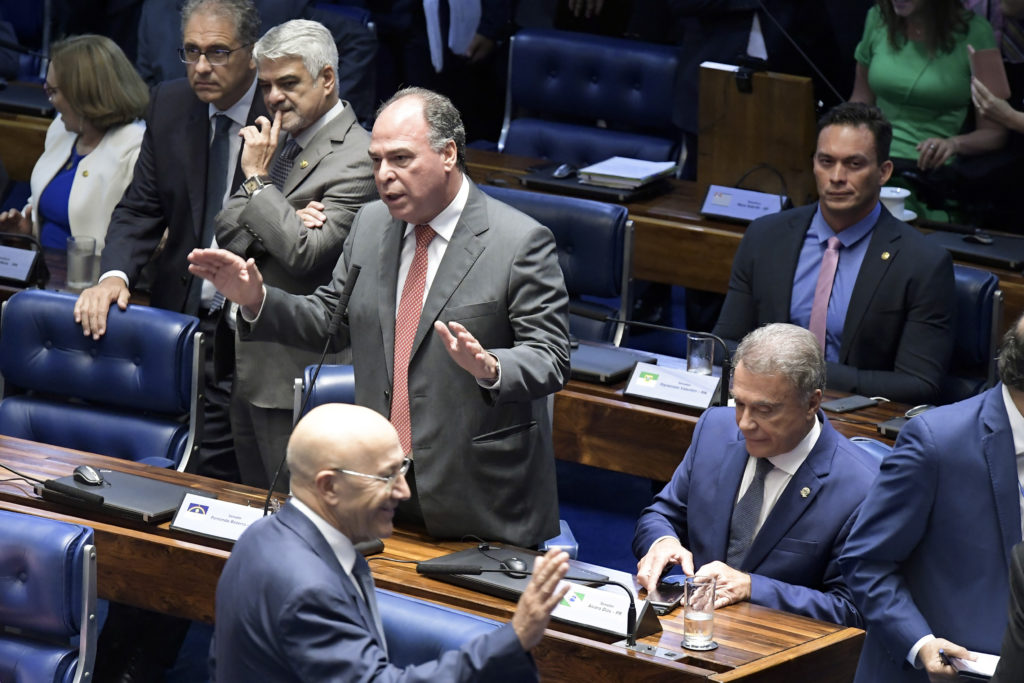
(700, 353)
(699, 613)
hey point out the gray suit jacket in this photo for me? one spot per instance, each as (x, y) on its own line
(333, 169)
(484, 460)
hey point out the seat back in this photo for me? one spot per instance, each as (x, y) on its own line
(595, 250)
(417, 631)
(979, 308)
(132, 394)
(47, 597)
(334, 384)
(579, 98)
(873, 447)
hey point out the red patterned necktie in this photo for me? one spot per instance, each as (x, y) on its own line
(823, 291)
(406, 322)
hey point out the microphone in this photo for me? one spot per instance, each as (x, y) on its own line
(802, 54)
(62, 489)
(339, 315)
(723, 385)
(428, 569)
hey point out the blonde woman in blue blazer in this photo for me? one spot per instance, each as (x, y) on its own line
(91, 146)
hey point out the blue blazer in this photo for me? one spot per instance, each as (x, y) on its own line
(930, 552)
(287, 612)
(793, 560)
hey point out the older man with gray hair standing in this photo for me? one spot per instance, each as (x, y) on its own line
(307, 174)
(765, 496)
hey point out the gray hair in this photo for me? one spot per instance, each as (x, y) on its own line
(787, 350)
(1010, 361)
(444, 122)
(303, 38)
(242, 14)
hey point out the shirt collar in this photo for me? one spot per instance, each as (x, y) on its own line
(850, 235)
(307, 133)
(239, 111)
(1016, 421)
(342, 547)
(790, 462)
(444, 223)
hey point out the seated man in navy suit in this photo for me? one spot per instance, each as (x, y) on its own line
(765, 496)
(295, 601)
(876, 294)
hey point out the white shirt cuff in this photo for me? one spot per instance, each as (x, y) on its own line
(912, 656)
(116, 273)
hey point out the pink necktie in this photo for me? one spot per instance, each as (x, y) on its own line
(406, 322)
(823, 290)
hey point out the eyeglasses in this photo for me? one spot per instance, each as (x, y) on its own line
(216, 57)
(389, 480)
(50, 91)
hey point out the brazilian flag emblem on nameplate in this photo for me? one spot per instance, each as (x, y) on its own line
(570, 598)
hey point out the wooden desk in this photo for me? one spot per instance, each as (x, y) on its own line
(153, 567)
(674, 244)
(22, 138)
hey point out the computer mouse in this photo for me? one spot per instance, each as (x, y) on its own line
(515, 567)
(979, 238)
(564, 171)
(86, 474)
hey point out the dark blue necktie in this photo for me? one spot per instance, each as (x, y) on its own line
(216, 175)
(282, 165)
(745, 515)
(361, 573)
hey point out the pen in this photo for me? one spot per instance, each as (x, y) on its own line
(944, 658)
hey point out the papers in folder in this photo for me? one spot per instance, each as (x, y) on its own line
(625, 173)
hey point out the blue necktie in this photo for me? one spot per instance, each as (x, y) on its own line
(361, 573)
(745, 515)
(216, 175)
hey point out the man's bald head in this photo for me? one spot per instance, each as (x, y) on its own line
(339, 436)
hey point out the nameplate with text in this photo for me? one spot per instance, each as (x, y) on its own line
(214, 518)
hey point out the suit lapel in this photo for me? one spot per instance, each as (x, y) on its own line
(323, 143)
(730, 474)
(882, 252)
(462, 252)
(387, 289)
(998, 451)
(307, 531)
(197, 134)
(795, 499)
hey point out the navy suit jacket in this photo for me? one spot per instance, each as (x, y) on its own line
(287, 612)
(1011, 656)
(930, 551)
(898, 333)
(793, 560)
(168, 191)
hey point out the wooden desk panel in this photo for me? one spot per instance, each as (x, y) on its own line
(153, 567)
(22, 139)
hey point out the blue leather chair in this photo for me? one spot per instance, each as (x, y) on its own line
(979, 309)
(419, 631)
(337, 384)
(595, 251)
(47, 598)
(133, 394)
(579, 98)
(873, 447)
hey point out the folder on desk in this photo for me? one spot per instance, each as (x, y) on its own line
(128, 495)
(605, 364)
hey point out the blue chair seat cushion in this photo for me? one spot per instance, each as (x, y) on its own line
(583, 145)
(26, 661)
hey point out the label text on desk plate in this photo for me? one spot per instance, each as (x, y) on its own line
(674, 385)
(15, 264)
(212, 517)
(593, 607)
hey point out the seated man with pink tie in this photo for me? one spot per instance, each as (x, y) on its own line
(875, 293)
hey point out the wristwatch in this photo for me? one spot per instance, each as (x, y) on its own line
(254, 184)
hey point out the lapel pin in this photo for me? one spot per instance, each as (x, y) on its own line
(85, 173)
(804, 492)
(303, 164)
(885, 254)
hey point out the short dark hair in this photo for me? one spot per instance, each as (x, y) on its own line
(444, 122)
(861, 114)
(242, 13)
(1010, 361)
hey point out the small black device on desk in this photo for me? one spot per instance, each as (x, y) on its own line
(848, 403)
(665, 597)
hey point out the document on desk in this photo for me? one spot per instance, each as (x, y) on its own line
(982, 668)
(214, 518)
(674, 385)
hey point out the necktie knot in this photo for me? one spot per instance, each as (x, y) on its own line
(221, 125)
(764, 466)
(291, 150)
(833, 244)
(424, 235)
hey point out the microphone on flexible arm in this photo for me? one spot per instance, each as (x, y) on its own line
(723, 385)
(338, 316)
(428, 569)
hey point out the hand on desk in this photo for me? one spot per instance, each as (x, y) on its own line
(533, 611)
(94, 303)
(13, 220)
(237, 279)
(664, 552)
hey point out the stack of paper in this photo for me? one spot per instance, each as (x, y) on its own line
(625, 173)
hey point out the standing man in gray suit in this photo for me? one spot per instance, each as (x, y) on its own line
(458, 325)
(307, 174)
